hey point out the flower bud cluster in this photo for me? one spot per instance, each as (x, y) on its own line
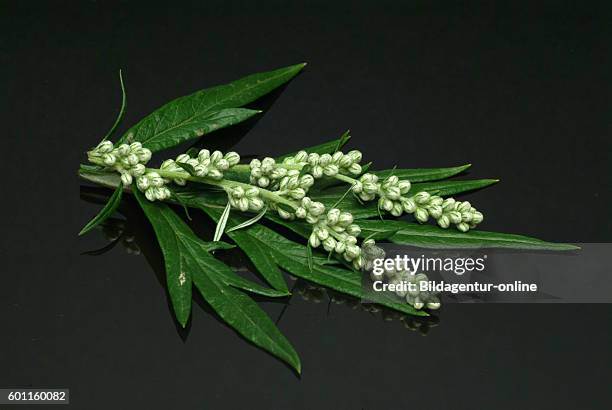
(245, 199)
(127, 159)
(392, 198)
(153, 186)
(268, 173)
(336, 232)
(445, 211)
(206, 164)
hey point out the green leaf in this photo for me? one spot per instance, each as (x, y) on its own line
(222, 222)
(185, 254)
(423, 174)
(430, 236)
(254, 249)
(180, 121)
(325, 148)
(246, 317)
(121, 110)
(447, 188)
(207, 110)
(107, 211)
(248, 222)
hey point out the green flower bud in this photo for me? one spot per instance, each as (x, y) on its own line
(393, 193)
(436, 200)
(243, 204)
(385, 204)
(150, 194)
(329, 244)
(278, 173)
(444, 221)
(322, 233)
(215, 157)
(123, 150)
(353, 230)
(317, 208)
(180, 181)
(435, 211)
(340, 247)
(325, 159)
(449, 204)
(421, 197)
(255, 163)
(352, 251)
(203, 155)
(144, 155)
(306, 202)
(142, 183)
(421, 215)
(201, 170)
(404, 186)
(313, 159)
(297, 193)
(312, 219)
(223, 164)
(355, 169)
(408, 204)
(306, 181)
(137, 170)
(463, 227)
(237, 192)
(330, 170)
(454, 217)
(345, 162)
(477, 217)
(263, 182)
(135, 146)
(332, 216)
(314, 240)
(317, 171)
(132, 159)
(466, 216)
(215, 174)
(357, 187)
(126, 178)
(417, 304)
(345, 219)
(370, 188)
(301, 156)
(183, 158)
(397, 209)
(300, 213)
(104, 147)
(463, 206)
(337, 156)
(355, 155)
(109, 159)
(232, 158)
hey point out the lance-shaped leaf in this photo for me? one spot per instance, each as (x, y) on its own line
(107, 211)
(423, 174)
(184, 254)
(430, 236)
(205, 111)
(245, 316)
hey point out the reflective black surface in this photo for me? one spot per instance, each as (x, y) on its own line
(520, 91)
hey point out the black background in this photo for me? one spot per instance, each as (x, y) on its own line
(521, 91)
